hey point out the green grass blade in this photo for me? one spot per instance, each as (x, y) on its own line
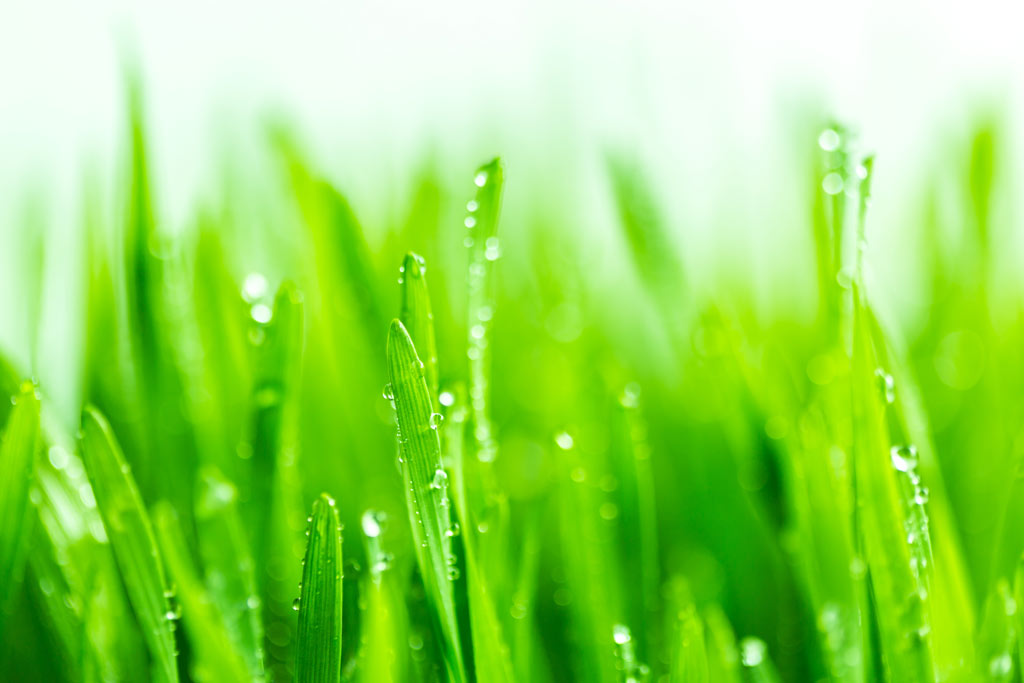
(215, 658)
(426, 485)
(230, 577)
(131, 538)
(318, 658)
(484, 249)
(756, 662)
(17, 457)
(690, 658)
(418, 318)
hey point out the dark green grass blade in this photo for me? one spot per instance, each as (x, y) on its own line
(17, 456)
(215, 658)
(318, 658)
(426, 485)
(131, 537)
(230, 577)
(418, 318)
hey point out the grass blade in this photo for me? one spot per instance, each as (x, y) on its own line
(418, 318)
(131, 538)
(319, 643)
(215, 657)
(17, 455)
(229, 569)
(426, 485)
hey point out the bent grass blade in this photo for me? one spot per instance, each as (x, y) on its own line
(131, 538)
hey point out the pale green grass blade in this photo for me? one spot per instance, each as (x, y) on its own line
(689, 656)
(997, 639)
(426, 484)
(215, 658)
(131, 538)
(384, 646)
(417, 317)
(723, 654)
(484, 249)
(756, 662)
(229, 567)
(490, 651)
(318, 655)
(17, 459)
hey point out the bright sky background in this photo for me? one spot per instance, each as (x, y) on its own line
(699, 90)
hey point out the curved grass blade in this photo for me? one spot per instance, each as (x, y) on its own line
(318, 659)
(426, 485)
(215, 657)
(228, 564)
(418, 318)
(17, 455)
(131, 538)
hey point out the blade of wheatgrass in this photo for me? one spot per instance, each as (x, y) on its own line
(490, 652)
(228, 565)
(756, 662)
(998, 636)
(426, 485)
(277, 368)
(215, 657)
(17, 457)
(723, 655)
(417, 317)
(318, 653)
(689, 657)
(891, 526)
(384, 636)
(484, 249)
(131, 538)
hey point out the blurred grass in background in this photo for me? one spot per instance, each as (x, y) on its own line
(646, 474)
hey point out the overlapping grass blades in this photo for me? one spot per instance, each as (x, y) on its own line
(19, 443)
(215, 654)
(318, 649)
(427, 488)
(131, 538)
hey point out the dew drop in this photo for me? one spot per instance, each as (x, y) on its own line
(904, 458)
(481, 179)
(832, 183)
(446, 398)
(621, 634)
(470, 222)
(440, 479)
(261, 313)
(254, 287)
(829, 140)
(564, 440)
(388, 392)
(472, 205)
(373, 522)
(295, 604)
(752, 651)
(436, 419)
(887, 385)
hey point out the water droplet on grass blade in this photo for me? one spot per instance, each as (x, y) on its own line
(887, 385)
(752, 652)
(388, 392)
(904, 458)
(829, 140)
(373, 522)
(832, 183)
(254, 287)
(621, 634)
(481, 179)
(440, 479)
(436, 419)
